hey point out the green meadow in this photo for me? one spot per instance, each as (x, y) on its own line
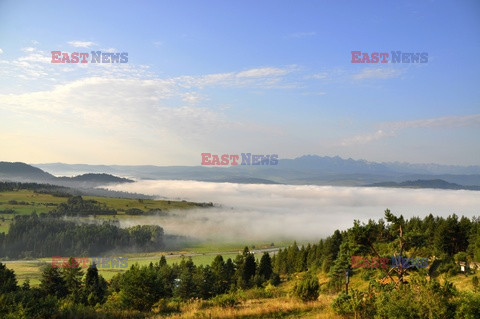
(24, 202)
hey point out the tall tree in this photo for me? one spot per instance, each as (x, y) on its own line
(95, 287)
(265, 270)
(52, 282)
(72, 273)
(8, 281)
(249, 269)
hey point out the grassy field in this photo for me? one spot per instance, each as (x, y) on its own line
(25, 202)
(32, 269)
(280, 307)
(201, 256)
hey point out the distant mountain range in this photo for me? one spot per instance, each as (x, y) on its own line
(308, 169)
(26, 173)
(434, 183)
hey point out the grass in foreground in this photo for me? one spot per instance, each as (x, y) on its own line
(281, 307)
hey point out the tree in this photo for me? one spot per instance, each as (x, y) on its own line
(52, 282)
(249, 269)
(221, 277)
(72, 273)
(8, 281)
(340, 266)
(186, 287)
(95, 287)
(265, 270)
(140, 288)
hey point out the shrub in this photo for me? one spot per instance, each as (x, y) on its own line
(468, 306)
(475, 283)
(166, 306)
(342, 305)
(308, 288)
(360, 304)
(225, 300)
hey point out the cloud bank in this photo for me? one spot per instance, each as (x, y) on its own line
(249, 212)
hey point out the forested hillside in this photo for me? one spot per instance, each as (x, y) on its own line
(310, 273)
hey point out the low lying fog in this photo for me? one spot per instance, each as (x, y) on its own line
(274, 212)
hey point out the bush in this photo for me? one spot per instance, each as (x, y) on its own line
(166, 306)
(360, 304)
(468, 306)
(449, 267)
(225, 300)
(271, 291)
(134, 211)
(308, 288)
(418, 299)
(275, 280)
(475, 283)
(342, 305)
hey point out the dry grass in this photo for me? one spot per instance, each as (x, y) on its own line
(283, 307)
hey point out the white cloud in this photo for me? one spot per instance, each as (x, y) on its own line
(29, 49)
(136, 119)
(377, 73)
(439, 122)
(390, 129)
(366, 138)
(300, 35)
(262, 72)
(266, 77)
(157, 44)
(111, 50)
(1, 51)
(192, 97)
(320, 76)
(82, 44)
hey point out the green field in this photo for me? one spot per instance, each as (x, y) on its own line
(31, 269)
(25, 202)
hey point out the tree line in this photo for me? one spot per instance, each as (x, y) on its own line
(44, 236)
(138, 289)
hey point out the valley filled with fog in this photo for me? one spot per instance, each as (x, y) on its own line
(290, 212)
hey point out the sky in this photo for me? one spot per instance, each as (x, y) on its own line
(228, 77)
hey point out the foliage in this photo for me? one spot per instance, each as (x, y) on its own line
(308, 288)
(45, 235)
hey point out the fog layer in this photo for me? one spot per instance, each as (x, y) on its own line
(305, 212)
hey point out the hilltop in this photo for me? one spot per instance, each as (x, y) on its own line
(22, 172)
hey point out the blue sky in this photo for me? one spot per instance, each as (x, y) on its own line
(239, 76)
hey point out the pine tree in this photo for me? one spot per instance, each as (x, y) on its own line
(249, 270)
(8, 281)
(186, 288)
(95, 287)
(221, 282)
(265, 270)
(72, 274)
(52, 282)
